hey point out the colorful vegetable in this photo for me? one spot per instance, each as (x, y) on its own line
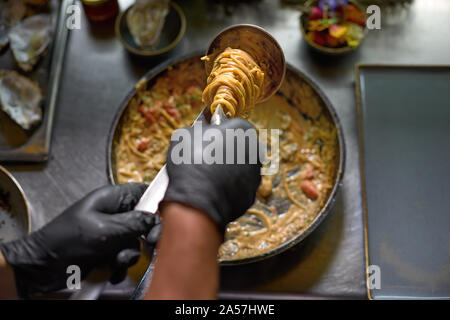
(336, 23)
(316, 13)
(309, 188)
(331, 5)
(338, 31)
(143, 144)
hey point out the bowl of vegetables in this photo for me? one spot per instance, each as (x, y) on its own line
(333, 26)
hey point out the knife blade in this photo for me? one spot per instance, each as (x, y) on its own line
(154, 193)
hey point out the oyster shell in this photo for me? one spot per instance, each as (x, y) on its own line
(11, 12)
(145, 21)
(29, 40)
(20, 98)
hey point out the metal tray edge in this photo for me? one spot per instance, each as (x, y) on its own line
(41, 140)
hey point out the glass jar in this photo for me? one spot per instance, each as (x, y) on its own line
(99, 10)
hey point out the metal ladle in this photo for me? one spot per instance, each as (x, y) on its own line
(261, 46)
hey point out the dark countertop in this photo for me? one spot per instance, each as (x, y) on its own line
(98, 73)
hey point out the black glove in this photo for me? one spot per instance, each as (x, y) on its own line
(223, 191)
(98, 230)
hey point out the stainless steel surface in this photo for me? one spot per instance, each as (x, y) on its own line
(37, 146)
(98, 72)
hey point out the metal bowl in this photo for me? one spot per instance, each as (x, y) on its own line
(172, 32)
(292, 75)
(15, 222)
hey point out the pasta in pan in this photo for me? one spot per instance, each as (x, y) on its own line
(288, 201)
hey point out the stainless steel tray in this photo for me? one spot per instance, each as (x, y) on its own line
(403, 113)
(34, 146)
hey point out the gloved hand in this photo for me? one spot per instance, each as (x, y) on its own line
(98, 230)
(223, 191)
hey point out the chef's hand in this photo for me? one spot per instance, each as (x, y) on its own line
(223, 191)
(99, 230)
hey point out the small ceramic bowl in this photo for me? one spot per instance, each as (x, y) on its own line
(171, 34)
(323, 49)
(15, 219)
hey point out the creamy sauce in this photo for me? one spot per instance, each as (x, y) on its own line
(288, 201)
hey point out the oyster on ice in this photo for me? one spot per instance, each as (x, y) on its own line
(20, 98)
(11, 12)
(29, 40)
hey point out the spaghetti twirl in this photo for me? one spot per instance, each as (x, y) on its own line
(235, 83)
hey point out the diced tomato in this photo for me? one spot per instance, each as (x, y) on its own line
(309, 174)
(310, 189)
(144, 144)
(150, 114)
(150, 117)
(155, 127)
(172, 111)
(195, 104)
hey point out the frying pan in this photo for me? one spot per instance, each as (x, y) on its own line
(293, 75)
